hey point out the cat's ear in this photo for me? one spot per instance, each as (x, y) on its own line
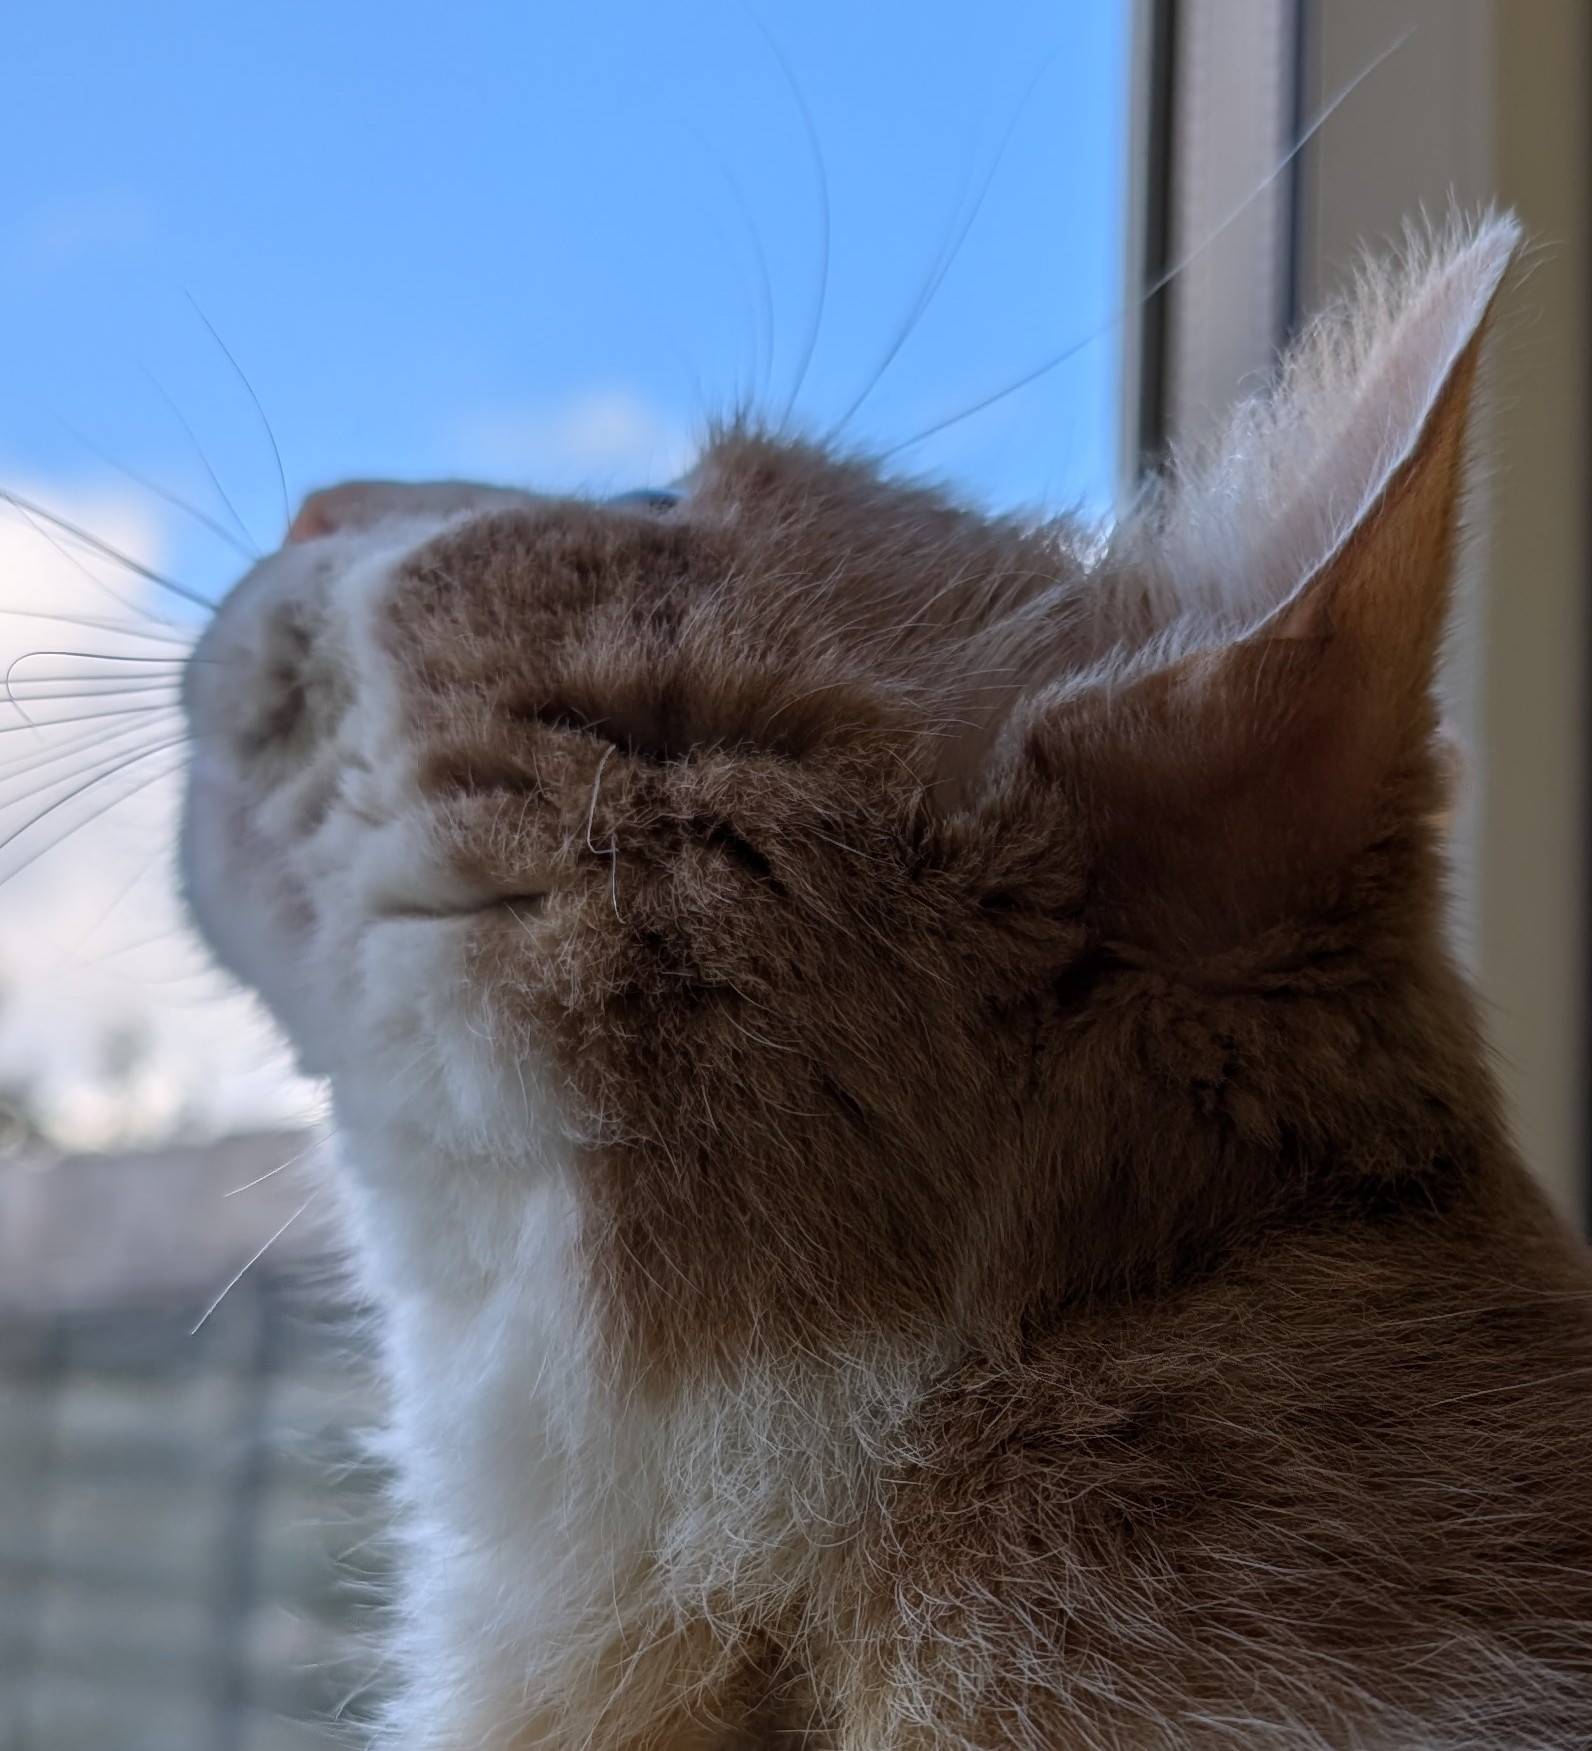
(1273, 711)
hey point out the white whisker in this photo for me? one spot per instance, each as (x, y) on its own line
(31, 510)
(249, 1264)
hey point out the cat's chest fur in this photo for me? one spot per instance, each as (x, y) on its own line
(555, 1516)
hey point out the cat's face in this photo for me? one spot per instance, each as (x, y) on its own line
(799, 849)
(652, 788)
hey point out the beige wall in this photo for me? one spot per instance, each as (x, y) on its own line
(1534, 830)
(1488, 99)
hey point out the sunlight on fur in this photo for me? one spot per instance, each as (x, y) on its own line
(928, 1173)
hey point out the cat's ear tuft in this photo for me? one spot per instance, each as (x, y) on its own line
(1276, 713)
(1241, 529)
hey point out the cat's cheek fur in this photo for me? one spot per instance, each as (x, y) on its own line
(243, 891)
(436, 1057)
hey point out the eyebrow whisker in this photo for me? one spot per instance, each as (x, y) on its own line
(203, 518)
(815, 153)
(248, 387)
(199, 450)
(1178, 267)
(939, 271)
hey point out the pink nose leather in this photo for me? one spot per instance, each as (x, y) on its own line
(326, 511)
(359, 504)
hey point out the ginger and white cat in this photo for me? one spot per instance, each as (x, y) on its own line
(929, 1176)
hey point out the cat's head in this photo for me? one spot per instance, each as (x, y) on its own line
(865, 894)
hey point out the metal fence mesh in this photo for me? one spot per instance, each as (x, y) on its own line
(189, 1550)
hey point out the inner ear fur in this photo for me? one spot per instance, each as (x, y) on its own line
(1228, 786)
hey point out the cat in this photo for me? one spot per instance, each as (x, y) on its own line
(928, 1172)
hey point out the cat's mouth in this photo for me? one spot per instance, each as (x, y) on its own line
(532, 903)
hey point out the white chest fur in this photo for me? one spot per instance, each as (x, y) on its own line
(548, 1522)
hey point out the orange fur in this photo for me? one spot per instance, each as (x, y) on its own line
(1045, 1263)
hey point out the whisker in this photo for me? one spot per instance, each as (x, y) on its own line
(199, 450)
(96, 686)
(122, 763)
(161, 939)
(139, 608)
(69, 684)
(177, 638)
(250, 1263)
(101, 657)
(947, 258)
(203, 518)
(1163, 280)
(72, 686)
(128, 888)
(197, 985)
(260, 1179)
(50, 723)
(94, 814)
(89, 691)
(119, 657)
(145, 695)
(78, 533)
(118, 701)
(100, 745)
(271, 1173)
(24, 781)
(821, 182)
(763, 320)
(270, 436)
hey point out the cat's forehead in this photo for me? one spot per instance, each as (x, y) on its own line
(752, 511)
(736, 473)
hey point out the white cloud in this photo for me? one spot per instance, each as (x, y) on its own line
(601, 440)
(110, 1014)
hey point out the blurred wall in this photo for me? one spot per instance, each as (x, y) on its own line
(1488, 100)
(1534, 834)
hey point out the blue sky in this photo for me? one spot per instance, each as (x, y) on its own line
(444, 240)
(536, 243)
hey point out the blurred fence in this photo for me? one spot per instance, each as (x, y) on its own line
(190, 1556)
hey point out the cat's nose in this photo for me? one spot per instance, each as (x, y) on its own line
(361, 504)
(331, 509)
